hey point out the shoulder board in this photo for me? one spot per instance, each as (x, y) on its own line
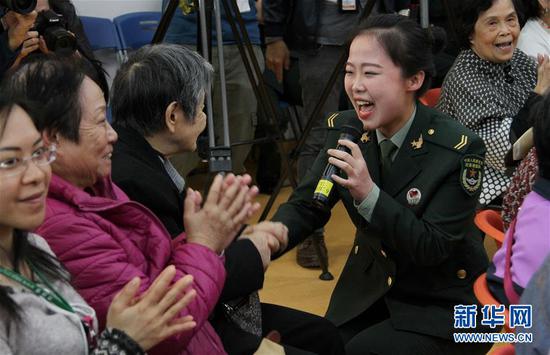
(450, 134)
(336, 119)
(330, 119)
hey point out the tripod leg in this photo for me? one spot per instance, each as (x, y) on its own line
(323, 258)
(255, 74)
(206, 54)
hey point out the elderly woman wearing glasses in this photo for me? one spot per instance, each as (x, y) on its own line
(103, 238)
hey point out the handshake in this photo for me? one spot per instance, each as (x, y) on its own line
(228, 206)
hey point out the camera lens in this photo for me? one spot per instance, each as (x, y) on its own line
(21, 3)
(59, 40)
(63, 43)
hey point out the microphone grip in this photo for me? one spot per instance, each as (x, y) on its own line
(325, 184)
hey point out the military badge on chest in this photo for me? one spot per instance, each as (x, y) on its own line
(413, 196)
(471, 174)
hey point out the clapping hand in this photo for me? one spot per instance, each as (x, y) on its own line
(543, 74)
(151, 317)
(228, 205)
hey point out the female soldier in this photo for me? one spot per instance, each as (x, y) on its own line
(410, 186)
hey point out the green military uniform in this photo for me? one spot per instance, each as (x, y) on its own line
(420, 252)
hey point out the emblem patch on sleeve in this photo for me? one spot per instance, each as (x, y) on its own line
(471, 173)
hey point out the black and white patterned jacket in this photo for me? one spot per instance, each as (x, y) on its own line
(485, 97)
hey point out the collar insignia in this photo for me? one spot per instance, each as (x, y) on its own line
(417, 143)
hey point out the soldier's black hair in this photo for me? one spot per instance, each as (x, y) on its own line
(408, 45)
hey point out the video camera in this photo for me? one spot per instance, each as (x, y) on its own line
(19, 6)
(53, 28)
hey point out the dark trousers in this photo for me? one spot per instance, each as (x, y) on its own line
(301, 333)
(373, 333)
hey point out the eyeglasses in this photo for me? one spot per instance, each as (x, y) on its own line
(16, 166)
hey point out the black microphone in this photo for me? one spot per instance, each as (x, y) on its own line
(351, 132)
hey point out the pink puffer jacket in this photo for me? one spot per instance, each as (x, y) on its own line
(105, 240)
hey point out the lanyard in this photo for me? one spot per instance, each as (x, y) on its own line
(52, 296)
(49, 293)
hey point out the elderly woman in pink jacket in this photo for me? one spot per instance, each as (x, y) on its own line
(103, 238)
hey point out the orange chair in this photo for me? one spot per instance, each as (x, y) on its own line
(431, 97)
(484, 296)
(490, 223)
(507, 349)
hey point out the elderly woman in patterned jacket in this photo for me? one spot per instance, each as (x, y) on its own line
(492, 85)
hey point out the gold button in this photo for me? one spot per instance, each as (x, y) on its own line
(389, 281)
(356, 249)
(431, 131)
(461, 274)
(383, 253)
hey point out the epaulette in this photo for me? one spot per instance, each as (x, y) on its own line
(449, 134)
(331, 118)
(335, 120)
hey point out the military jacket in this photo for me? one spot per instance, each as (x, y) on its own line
(421, 250)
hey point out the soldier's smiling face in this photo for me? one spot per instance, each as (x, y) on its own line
(381, 96)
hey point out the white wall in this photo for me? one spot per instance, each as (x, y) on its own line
(113, 8)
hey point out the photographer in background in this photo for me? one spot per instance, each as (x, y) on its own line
(73, 24)
(13, 32)
(56, 28)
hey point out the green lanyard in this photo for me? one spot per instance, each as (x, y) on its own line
(49, 293)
